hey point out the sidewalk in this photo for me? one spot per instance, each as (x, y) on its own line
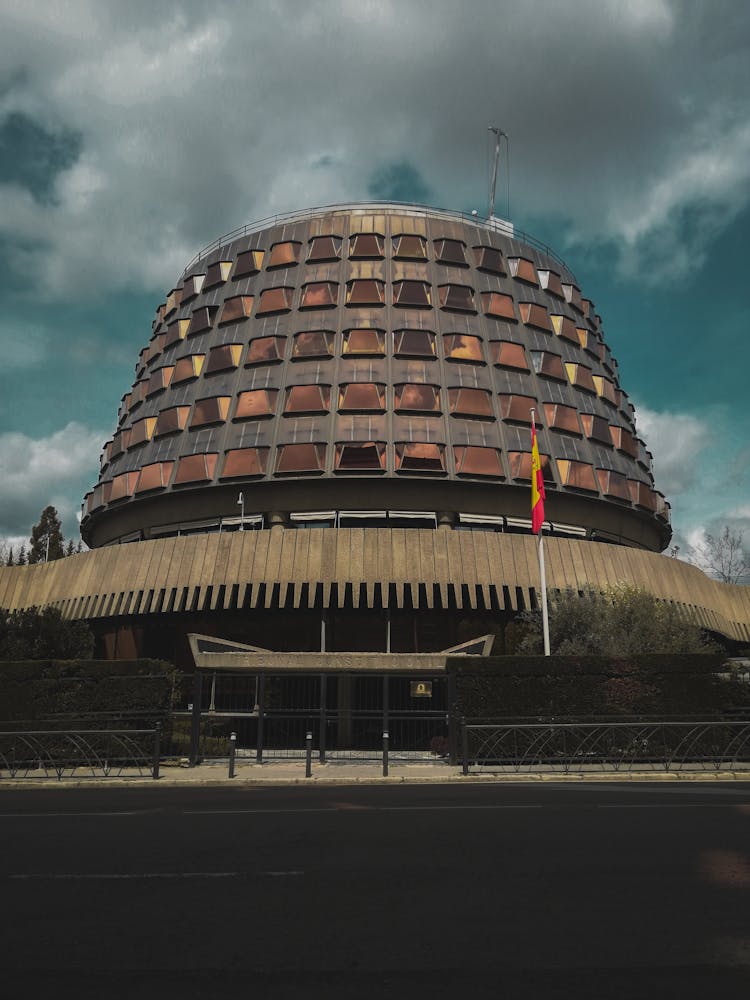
(292, 772)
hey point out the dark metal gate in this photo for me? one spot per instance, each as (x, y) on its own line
(347, 714)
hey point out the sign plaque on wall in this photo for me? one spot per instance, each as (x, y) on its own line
(420, 689)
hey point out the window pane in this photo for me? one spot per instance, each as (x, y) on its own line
(623, 440)
(535, 315)
(364, 342)
(417, 397)
(475, 461)
(499, 305)
(284, 254)
(410, 247)
(463, 347)
(196, 468)
(324, 248)
(142, 430)
(563, 418)
(224, 357)
(210, 411)
(471, 403)
(489, 259)
(458, 298)
(450, 252)
(171, 420)
(154, 477)
(366, 245)
(548, 365)
(518, 408)
(414, 343)
(367, 455)
(301, 458)
(255, 404)
(520, 465)
(245, 462)
(578, 475)
(176, 332)
(420, 457)
(580, 376)
(411, 293)
(565, 328)
(313, 344)
(202, 319)
(217, 273)
(249, 262)
(551, 281)
(523, 270)
(505, 354)
(308, 399)
(274, 300)
(596, 428)
(320, 295)
(365, 292)
(362, 396)
(120, 487)
(265, 350)
(613, 484)
(236, 309)
(159, 380)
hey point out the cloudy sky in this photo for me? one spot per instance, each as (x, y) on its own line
(132, 134)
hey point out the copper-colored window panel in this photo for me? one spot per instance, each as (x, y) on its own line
(606, 389)
(176, 332)
(249, 262)
(196, 468)
(365, 292)
(138, 393)
(489, 259)
(308, 399)
(450, 252)
(155, 347)
(417, 456)
(174, 298)
(506, 354)
(120, 487)
(499, 305)
(472, 460)
(623, 440)
(562, 418)
(217, 273)
(613, 484)
(301, 458)
(154, 477)
(413, 294)
(573, 296)
(202, 319)
(463, 347)
(324, 248)
(520, 466)
(95, 499)
(579, 475)
(362, 396)
(414, 344)
(255, 404)
(364, 342)
(418, 398)
(265, 351)
(550, 280)
(548, 365)
(210, 411)
(662, 507)
(193, 286)
(580, 377)
(319, 295)
(313, 344)
(284, 254)
(187, 368)
(142, 430)
(456, 298)
(642, 495)
(587, 340)
(356, 456)
(523, 270)
(517, 408)
(535, 315)
(244, 462)
(409, 247)
(275, 300)
(223, 357)
(588, 308)
(171, 420)
(596, 428)
(159, 380)
(366, 245)
(119, 443)
(470, 403)
(235, 309)
(565, 327)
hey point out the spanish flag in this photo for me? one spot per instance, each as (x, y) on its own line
(537, 485)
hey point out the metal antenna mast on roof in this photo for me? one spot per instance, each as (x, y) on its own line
(499, 134)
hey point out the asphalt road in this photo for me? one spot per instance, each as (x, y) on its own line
(634, 891)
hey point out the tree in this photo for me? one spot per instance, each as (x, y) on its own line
(622, 621)
(47, 542)
(723, 556)
(21, 560)
(32, 634)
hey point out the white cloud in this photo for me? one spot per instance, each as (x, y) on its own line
(195, 119)
(676, 440)
(41, 471)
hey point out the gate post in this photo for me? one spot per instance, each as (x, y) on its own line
(451, 696)
(385, 754)
(195, 720)
(323, 718)
(261, 713)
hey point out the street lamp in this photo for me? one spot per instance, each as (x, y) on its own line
(241, 504)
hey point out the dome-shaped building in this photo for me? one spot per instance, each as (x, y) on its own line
(375, 365)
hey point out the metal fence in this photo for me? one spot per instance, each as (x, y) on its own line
(81, 753)
(618, 746)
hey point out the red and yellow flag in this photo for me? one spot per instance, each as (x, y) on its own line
(537, 486)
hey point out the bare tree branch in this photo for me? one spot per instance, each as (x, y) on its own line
(723, 556)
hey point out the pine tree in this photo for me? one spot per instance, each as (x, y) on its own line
(70, 548)
(10, 561)
(47, 538)
(21, 561)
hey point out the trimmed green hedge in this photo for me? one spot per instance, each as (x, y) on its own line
(555, 686)
(44, 689)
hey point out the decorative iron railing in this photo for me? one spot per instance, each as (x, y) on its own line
(85, 753)
(618, 746)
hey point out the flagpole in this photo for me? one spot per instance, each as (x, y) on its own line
(540, 548)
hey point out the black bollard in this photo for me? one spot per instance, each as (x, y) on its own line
(385, 754)
(157, 751)
(232, 753)
(308, 755)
